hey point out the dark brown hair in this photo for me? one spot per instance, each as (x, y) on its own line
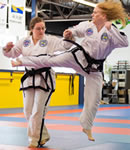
(34, 21)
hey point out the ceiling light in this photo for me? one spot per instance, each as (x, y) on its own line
(85, 3)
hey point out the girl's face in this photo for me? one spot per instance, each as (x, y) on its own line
(97, 16)
(38, 30)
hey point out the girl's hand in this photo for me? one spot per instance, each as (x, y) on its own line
(67, 34)
(8, 46)
(108, 25)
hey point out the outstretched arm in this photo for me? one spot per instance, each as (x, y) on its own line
(13, 51)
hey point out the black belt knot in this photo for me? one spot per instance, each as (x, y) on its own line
(33, 73)
(91, 61)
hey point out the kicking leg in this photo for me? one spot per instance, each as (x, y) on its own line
(62, 60)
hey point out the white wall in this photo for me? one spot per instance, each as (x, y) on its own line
(122, 53)
(4, 61)
(118, 54)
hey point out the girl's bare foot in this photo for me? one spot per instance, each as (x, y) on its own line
(16, 63)
(89, 134)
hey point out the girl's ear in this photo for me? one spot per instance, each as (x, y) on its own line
(31, 30)
(104, 16)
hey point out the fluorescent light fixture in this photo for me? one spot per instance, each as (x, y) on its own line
(86, 3)
(28, 9)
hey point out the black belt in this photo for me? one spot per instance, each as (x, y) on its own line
(89, 59)
(32, 73)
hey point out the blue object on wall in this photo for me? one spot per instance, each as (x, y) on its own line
(33, 14)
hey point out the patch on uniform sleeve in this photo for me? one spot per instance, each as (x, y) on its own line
(89, 31)
(43, 43)
(26, 43)
(104, 37)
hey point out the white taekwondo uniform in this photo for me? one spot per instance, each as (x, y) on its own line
(99, 45)
(39, 87)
